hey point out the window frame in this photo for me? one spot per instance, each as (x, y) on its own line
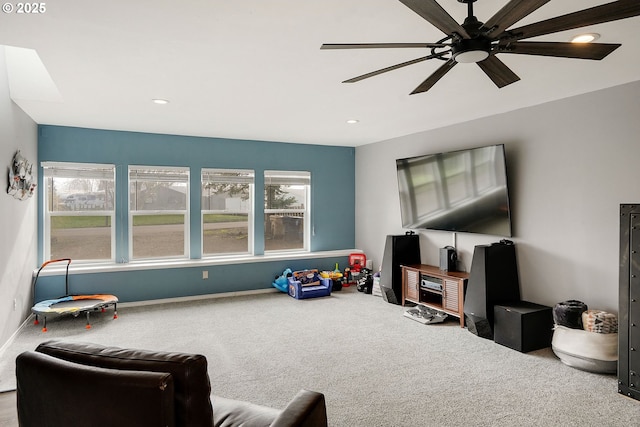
(49, 169)
(250, 176)
(131, 213)
(291, 178)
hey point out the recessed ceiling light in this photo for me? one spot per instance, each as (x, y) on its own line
(352, 121)
(585, 38)
(160, 101)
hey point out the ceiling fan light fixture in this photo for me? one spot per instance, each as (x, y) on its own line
(585, 38)
(471, 56)
(468, 51)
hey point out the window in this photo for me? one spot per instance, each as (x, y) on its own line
(79, 211)
(158, 212)
(227, 211)
(286, 210)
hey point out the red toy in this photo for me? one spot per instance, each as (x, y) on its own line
(357, 262)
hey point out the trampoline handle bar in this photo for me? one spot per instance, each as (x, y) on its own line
(66, 278)
(51, 261)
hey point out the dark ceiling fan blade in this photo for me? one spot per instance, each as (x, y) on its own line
(595, 51)
(380, 45)
(433, 78)
(394, 67)
(613, 11)
(437, 16)
(498, 72)
(511, 13)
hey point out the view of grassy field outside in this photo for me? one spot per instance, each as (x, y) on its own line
(81, 237)
(89, 237)
(81, 200)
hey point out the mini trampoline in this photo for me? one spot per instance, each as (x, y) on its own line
(70, 304)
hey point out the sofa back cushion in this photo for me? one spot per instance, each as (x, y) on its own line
(56, 392)
(189, 372)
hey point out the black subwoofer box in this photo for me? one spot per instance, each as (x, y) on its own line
(523, 325)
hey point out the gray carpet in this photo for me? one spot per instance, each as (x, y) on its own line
(376, 367)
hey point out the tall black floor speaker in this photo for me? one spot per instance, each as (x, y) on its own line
(398, 251)
(493, 280)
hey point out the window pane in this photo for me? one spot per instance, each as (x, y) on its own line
(88, 191)
(79, 194)
(158, 205)
(227, 205)
(225, 233)
(80, 237)
(158, 189)
(286, 196)
(283, 232)
(158, 235)
(226, 191)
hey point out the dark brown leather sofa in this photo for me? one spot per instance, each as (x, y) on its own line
(62, 384)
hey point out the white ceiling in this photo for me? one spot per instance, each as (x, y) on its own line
(253, 69)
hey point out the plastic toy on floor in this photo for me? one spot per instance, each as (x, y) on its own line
(357, 262)
(281, 282)
(309, 284)
(336, 277)
(354, 272)
(365, 282)
(70, 304)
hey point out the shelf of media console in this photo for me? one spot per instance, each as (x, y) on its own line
(435, 288)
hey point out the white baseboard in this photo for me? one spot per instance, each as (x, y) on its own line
(15, 334)
(196, 297)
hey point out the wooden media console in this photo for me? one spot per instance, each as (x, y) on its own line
(435, 288)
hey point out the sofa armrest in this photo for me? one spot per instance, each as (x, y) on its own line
(56, 392)
(306, 409)
(234, 413)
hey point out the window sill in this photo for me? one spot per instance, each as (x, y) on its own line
(163, 264)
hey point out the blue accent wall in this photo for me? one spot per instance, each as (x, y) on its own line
(332, 203)
(143, 285)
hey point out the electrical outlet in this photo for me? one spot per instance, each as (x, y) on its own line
(205, 274)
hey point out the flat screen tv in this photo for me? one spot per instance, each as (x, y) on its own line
(461, 191)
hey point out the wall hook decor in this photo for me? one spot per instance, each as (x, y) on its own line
(21, 181)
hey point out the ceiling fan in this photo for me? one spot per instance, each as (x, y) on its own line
(480, 42)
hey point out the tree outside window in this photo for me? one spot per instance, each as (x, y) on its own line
(286, 210)
(227, 211)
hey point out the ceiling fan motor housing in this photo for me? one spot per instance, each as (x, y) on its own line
(475, 49)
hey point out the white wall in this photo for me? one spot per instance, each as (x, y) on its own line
(571, 163)
(18, 229)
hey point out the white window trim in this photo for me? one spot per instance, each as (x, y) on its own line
(46, 223)
(296, 178)
(250, 213)
(186, 213)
